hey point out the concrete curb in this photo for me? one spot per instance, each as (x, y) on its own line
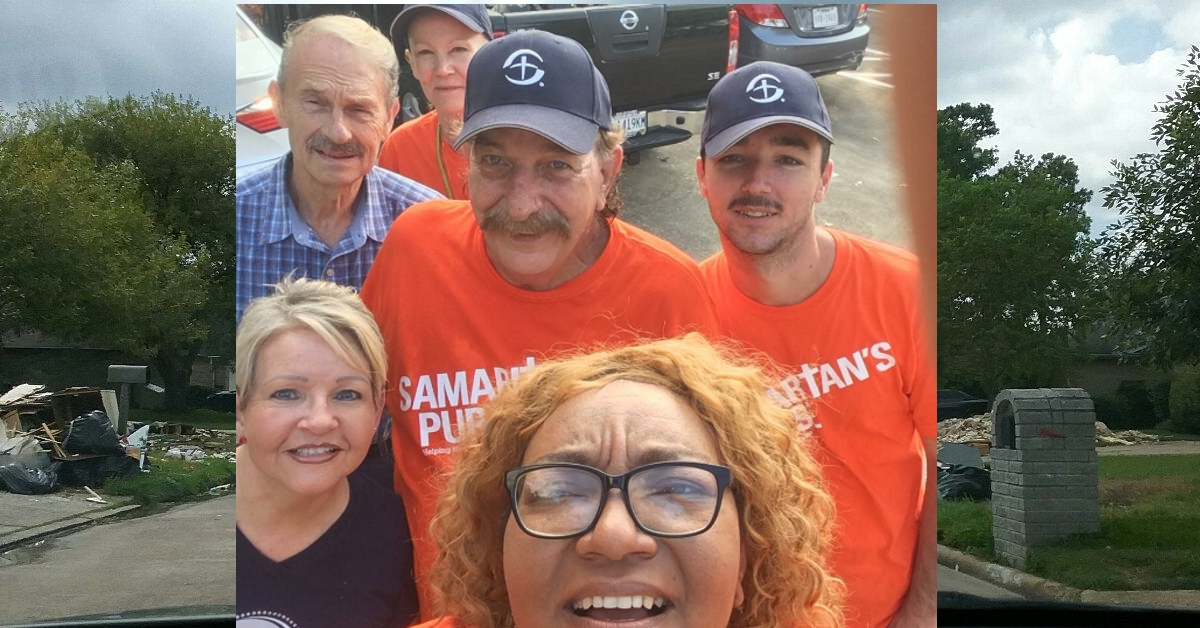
(36, 533)
(1040, 588)
(1012, 579)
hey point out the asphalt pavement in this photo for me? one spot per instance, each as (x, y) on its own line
(180, 558)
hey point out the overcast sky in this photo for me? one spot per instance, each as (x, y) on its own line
(1075, 78)
(70, 49)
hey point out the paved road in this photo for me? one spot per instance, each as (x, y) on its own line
(183, 557)
(952, 581)
(662, 196)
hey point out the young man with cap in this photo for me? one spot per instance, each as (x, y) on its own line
(470, 294)
(439, 41)
(841, 313)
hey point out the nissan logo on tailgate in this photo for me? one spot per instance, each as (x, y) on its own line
(629, 20)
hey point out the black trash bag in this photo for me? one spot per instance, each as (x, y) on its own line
(963, 482)
(94, 472)
(24, 479)
(92, 433)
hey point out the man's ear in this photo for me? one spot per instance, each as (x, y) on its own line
(700, 177)
(392, 112)
(826, 177)
(612, 167)
(277, 103)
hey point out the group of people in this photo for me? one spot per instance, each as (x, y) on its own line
(585, 424)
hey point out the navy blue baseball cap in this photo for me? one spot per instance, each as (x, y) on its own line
(758, 95)
(473, 16)
(539, 82)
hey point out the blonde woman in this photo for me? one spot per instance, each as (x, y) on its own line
(316, 546)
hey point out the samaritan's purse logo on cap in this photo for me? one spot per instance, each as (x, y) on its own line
(768, 86)
(519, 61)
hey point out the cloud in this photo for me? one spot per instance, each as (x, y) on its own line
(70, 50)
(1055, 80)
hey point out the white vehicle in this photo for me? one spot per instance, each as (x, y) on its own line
(260, 140)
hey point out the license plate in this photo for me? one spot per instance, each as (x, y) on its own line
(824, 17)
(634, 122)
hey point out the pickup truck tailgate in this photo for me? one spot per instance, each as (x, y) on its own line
(651, 55)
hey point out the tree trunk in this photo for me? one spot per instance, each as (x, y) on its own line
(174, 364)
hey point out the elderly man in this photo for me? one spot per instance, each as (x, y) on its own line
(840, 312)
(323, 210)
(469, 294)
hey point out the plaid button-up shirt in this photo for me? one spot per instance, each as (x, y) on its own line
(274, 241)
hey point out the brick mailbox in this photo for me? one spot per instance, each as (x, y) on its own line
(1044, 472)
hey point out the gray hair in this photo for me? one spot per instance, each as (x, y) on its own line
(355, 31)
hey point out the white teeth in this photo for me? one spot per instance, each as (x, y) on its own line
(624, 601)
(313, 451)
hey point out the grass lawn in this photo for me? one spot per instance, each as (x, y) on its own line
(173, 481)
(1149, 523)
(196, 417)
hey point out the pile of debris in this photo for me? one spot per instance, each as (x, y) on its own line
(973, 429)
(978, 429)
(1106, 437)
(48, 440)
(186, 442)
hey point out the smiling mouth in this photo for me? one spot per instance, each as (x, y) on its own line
(620, 607)
(337, 155)
(313, 452)
(753, 213)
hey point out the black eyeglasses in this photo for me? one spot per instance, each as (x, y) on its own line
(665, 499)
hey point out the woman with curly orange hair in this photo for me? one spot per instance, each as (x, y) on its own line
(654, 484)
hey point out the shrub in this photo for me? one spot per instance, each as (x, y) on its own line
(1136, 407)
(1160, 398)
(1108, 410)
(1185, 400)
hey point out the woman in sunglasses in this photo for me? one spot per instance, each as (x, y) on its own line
(654, 484)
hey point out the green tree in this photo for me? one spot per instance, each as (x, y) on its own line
(1013, 259)
(133, 247)
(1153, 252)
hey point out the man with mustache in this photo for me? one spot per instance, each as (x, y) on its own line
(323, 209)
(469, 294)
(839, 312)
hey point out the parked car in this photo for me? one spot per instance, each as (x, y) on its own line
(956, 404)
(819, 39)
(260, 139)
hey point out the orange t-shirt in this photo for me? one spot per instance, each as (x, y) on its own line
(411, 150)
(856, 352)
(455, 331)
